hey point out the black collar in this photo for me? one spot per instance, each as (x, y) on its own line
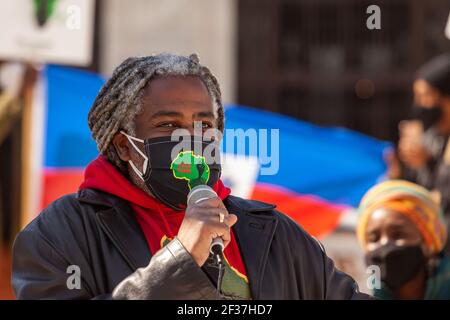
(118, 221)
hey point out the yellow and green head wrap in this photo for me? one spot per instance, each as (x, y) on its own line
(411, 200)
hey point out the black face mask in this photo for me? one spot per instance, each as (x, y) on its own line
(398, 264)
(172, 168)
(428, 116)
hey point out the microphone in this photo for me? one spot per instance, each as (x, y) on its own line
(196, 195)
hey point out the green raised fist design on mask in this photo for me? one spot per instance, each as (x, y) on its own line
(190, 167)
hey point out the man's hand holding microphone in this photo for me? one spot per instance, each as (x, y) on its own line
(206, 221)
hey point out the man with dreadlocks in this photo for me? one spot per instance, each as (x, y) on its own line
(128, 234)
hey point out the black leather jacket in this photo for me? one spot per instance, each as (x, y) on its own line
(98, 233)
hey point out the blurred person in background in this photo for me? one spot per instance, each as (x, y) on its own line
(424, 145)
(402, 231)
(128, 229)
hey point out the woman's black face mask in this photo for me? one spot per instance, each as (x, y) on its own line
(172, 168)
(398, 264)
(428, 116)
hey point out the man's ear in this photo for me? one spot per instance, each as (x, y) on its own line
(122, 146)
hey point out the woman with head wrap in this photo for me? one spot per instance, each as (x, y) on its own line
(402, 231)
(424, 147)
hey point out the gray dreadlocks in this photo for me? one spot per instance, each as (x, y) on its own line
(121, 98)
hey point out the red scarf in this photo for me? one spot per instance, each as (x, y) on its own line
(158, 221)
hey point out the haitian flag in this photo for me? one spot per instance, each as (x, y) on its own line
(68, 143)
(320, 172)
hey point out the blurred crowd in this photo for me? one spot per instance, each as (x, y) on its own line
(403, 221)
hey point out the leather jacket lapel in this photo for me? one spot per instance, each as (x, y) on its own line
(119, 224)
(254, 233)
(125, 233)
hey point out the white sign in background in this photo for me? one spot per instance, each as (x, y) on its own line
(240, 173)
(65, 38)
